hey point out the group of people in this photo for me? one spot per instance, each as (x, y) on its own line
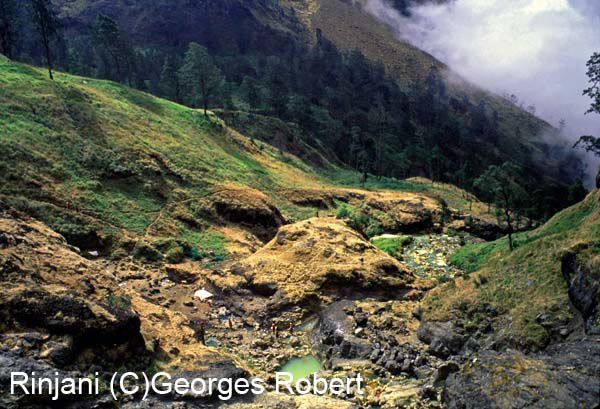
(275, 329)
(200, 329)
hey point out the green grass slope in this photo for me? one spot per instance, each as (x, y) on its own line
(526, 282)
(113, 168)
(86, 155)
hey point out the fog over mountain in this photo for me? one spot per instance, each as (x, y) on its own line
(535, 49)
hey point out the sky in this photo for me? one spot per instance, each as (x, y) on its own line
(535, 49)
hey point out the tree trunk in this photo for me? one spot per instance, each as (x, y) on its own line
(363, 178)
(48, 56)
(7, 48)
(510, 230)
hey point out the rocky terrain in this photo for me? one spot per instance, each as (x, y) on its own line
(329, 292)
(109, 227)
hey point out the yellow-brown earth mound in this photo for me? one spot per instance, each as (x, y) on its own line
(321, 257)
(246, 207)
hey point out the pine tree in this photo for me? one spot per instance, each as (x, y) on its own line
(199, 76)
(169, 82)
(251, 93)
(589, 142)
(46, 23)
(111, 39)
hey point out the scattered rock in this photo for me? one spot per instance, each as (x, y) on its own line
(565, 376)
(442, 338)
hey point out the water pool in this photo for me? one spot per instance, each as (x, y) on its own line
(302, 367)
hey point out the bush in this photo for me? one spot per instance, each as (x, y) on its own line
(360, 220)
(393, 245)
(343, 212)
(175, 255)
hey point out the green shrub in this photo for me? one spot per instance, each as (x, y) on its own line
(392, 245)
(360, 220)
(343, 212)
(175, 255)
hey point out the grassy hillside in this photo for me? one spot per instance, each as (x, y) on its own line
(82, 154)
(383, 109)
(112, 168)
(524, 284)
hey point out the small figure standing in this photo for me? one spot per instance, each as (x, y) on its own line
(291, 328)
(274, 329)
(201, 332)
(229, 323)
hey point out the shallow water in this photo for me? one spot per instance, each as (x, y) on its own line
(302, 367)
(212, 342)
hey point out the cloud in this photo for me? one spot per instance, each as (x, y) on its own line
(536, 49)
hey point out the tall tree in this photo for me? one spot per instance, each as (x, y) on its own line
(500, 184)
(169, 82)
(593, 74)
(251, 92)
(46, 23)
(8, 15)
(199, 76)
(591, 143)
(109, 37)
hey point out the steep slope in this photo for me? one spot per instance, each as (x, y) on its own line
(528, 293)
(115, 170)
(333, 99)
(351, 27)
(229, 25)
(543, 299)
(92, 157)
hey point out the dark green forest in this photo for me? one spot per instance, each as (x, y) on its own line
(221, 55)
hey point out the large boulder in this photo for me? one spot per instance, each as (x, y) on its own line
(46, 284)
(583, 278)
(477, 227)
(443, 338)
(59, 311)
(406, 212)
(334, 334)
(318, 198)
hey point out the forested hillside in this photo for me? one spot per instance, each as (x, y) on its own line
(286, 60)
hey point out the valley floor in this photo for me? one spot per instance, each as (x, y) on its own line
(116, 207)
